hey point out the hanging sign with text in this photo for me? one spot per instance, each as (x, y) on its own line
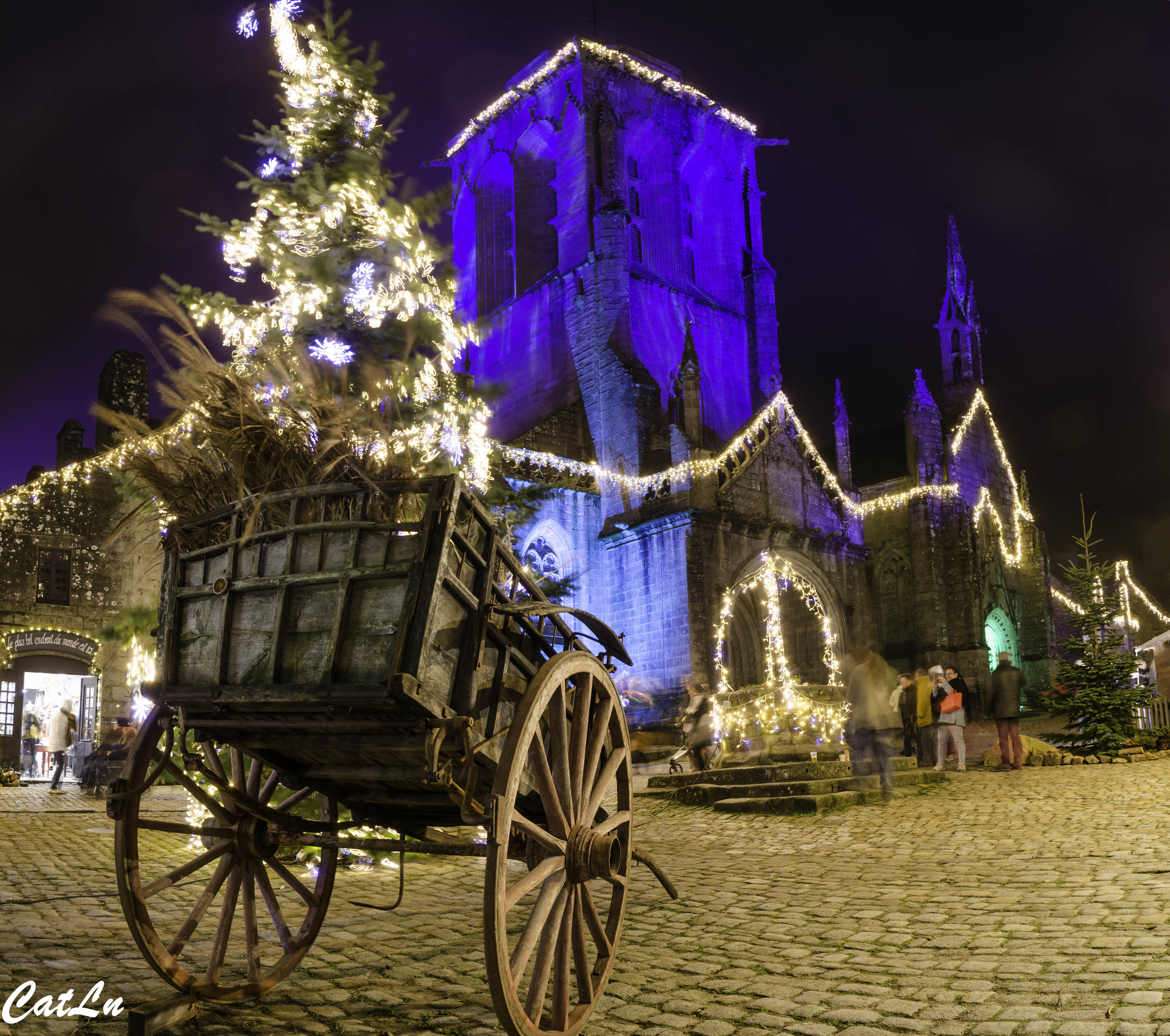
(51, 642)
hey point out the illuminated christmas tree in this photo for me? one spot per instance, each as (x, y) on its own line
(1094, 673)
(349, 345)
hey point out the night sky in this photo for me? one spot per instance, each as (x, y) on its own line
(1045, 128)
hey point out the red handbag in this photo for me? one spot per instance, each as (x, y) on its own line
(951, 703)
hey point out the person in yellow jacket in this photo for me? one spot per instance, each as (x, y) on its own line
(926, 741)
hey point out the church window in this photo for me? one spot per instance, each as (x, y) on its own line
(494, 270)
(956, 356)
(631, 167)
(53, 572)
(688, 223)
(635, 202)
(894, 600)
(690, 264)
(542, 558)
(535, 211)
(635, 244)
(686, 192)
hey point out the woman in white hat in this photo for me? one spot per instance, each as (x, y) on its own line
(952, 718)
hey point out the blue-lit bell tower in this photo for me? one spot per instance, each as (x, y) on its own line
(601, 205)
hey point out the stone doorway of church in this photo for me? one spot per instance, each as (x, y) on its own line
(999, 634)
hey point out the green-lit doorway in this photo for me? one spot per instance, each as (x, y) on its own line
(1000, 635)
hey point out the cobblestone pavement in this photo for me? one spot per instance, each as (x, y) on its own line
(998, 903)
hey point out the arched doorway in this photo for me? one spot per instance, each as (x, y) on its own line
(777, 625)
(999, 634)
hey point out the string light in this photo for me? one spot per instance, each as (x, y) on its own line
(779, 704)
(1067, 602)
(1121, 572)
(771, 418)
(611, 56)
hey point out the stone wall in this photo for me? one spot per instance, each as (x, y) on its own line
(115, 563)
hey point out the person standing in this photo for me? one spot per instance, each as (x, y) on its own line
(28, 743)
(925, 717)
(955, 679)
(1004, 704)
(62, 728)
(905, 700)
(952, 718)
(868, 694)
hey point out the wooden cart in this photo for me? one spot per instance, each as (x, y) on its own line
(375, 655)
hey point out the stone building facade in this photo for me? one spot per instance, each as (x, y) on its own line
(609, 245)
(74, 556)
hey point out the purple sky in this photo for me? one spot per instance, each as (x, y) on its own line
(1045, 127)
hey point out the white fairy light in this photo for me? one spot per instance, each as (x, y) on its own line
(332, 350)
(611, 56)
(780, 703)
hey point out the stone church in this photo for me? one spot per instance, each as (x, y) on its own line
(609, 246)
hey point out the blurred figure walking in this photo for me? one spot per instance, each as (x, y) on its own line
(869, 690)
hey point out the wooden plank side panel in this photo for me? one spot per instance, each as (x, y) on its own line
(305, 638)
(199, 622)
(370, 628)
(251, 636)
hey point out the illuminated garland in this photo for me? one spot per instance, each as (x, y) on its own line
(781, 705)
(985, 504)
(1121, 571)
(771, 416)
(1125, 587)
(611, 56)
(1067, 602)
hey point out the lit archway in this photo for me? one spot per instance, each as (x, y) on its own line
(999, 634)
(779, 702)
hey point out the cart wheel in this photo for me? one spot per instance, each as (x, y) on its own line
(180, 886)
(562, 785)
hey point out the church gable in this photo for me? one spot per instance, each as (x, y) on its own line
(780, 484)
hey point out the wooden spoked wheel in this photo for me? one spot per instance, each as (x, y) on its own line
(182, 884)
(559, 850)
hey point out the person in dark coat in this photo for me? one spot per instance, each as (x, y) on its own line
(868, 695)
(1004, 704)
(907, 705)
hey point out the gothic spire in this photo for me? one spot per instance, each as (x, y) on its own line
(690, 356)
(686, 404)
(957, 283)
(920, 396)
(960, 333)
(839, 411)
(841, 437)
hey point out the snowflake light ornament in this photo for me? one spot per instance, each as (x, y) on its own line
(331, 350)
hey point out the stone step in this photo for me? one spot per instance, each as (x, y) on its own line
(706, 794)
(770, 772)
(821, 803)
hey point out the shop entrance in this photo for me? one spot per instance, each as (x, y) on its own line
(49, 668)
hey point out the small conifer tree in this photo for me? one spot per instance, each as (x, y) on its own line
(1094, 671)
